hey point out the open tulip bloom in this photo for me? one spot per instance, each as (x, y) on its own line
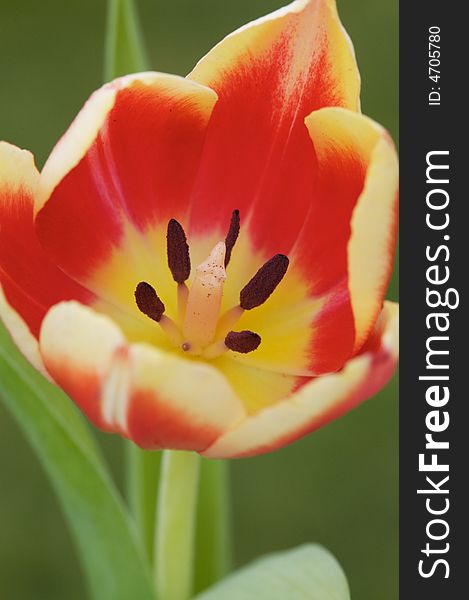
(202, 262)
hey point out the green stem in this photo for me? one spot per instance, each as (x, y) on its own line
(143, 471)
(213, 542)
(124, 50)
(175, 525)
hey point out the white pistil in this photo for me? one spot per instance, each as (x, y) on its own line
(204, 301)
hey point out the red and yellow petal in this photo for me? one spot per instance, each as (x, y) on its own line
(157, 399)
(176, 403)
(21, 334)
(319, 401)
(126, 164)
(78, 348)
(351, 232)
(269, 75)
(161, 400)
(299, 54)
(30, 281)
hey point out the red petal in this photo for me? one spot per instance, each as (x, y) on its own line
(269, 75)
(128, 160)
(349, 236)
(30, 281)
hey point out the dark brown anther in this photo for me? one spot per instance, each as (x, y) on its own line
(264, 282)
(232, 235)
(148, 301)
(179, 261)
(242, 341)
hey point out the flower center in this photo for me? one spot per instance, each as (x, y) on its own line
(202, 331)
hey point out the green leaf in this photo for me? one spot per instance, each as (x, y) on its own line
(308, 572)
(124, 50)
(106, 540)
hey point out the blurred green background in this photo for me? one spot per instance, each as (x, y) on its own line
(339, 486)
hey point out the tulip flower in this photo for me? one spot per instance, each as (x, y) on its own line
(202, 262)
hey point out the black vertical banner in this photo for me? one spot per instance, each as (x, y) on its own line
(434, 423)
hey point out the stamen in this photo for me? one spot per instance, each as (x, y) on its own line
(179, 261)
(182, 297)
(228, 320)
(264, 282)
(232, 235)
(149, 302)
(171, 330)
(242, 341)
(150, 305)
(237, 341)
